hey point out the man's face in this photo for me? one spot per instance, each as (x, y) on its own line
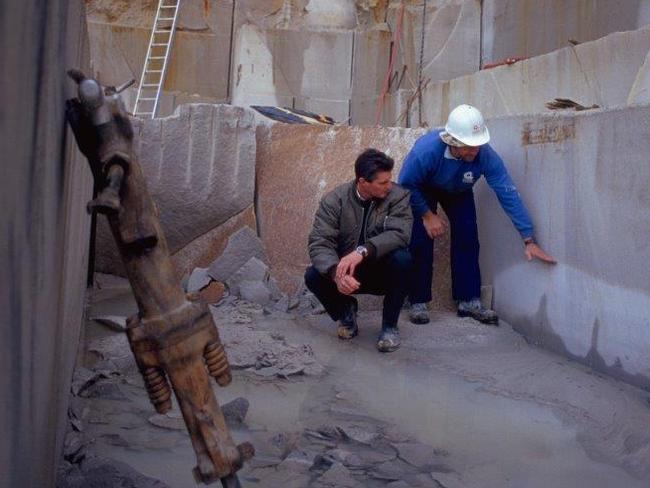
(379, 187)
(466, 153)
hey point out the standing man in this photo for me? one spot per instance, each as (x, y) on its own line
(442, 168)
(359, 244)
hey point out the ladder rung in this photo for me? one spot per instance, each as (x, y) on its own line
(145, 99)
(160, 44)
(149, 85)
(169, 6)
(156, 57)
(153, 71)
(144, 113)
(163, 31)
(166, 18)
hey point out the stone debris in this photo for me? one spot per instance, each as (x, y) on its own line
(104, 389)
(213, 293)
(358, 434)
(198, 279)
(82, 378)
(99, 472)
(242, 246)
(337, 476)
(265, 353)
(235, 411)
(255, 292)
(74, 447)
(169, 421)
(253, 270)
(417, 454)
(116, 323)
(115, 351)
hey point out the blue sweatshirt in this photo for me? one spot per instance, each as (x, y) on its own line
(430, 167)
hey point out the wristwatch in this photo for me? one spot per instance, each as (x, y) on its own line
(363, 250)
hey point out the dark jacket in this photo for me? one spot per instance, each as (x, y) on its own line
(338, 222)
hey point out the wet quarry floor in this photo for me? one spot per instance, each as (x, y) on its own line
(459, 405)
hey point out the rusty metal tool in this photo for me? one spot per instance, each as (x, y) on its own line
(173, 337)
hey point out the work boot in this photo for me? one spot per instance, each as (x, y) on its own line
(388, 340)
(348, 327)
(474, 309)
(419, 313)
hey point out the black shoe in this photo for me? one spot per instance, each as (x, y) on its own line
(389, 340)
(348, 327)
(476, 311)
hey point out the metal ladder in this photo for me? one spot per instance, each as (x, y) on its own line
(155, 65)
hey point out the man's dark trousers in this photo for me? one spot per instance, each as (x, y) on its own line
(465, 273)
(390, 275)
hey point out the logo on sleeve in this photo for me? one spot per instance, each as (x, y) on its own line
(468, 178)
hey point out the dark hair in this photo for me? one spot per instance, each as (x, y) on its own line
(370, 162)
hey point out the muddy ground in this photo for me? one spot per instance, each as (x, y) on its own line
(459, 405)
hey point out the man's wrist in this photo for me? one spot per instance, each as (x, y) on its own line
(529, 240)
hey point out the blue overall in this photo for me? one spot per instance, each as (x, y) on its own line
(435, 177)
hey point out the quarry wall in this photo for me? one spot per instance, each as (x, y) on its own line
(332, 56)
(584, 178)
(45, 229)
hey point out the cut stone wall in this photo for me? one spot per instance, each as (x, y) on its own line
(327, 56)
(200, 170)
(584, 178)
(526, 28)
(608, 72)
(44, 226)
(296, 167)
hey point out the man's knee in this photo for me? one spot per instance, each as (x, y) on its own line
(401, 260)
(312, 278)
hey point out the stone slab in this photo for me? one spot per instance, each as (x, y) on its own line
(583, 177)
(289, 63)
(512, 27)
(288, 198)
(200, 169)
(601, 72)
(242, 246)
(205, 249)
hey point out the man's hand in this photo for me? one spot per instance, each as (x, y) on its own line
(533, 251)
(347, 265)
(434, 224)
(347, 284)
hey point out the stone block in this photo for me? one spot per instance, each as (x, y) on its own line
(605, 72)
(203, 250)
(325, 156)
(198, 280)
(242, 246)
(255, 292)
(200, 169)
(252, 270)
(213, 293)
(589, 209)
(288, 63)
(452, 44)
(511, 27)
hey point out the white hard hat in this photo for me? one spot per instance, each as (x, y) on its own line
(466, 125)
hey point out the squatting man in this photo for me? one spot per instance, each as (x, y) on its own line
(442, 168)
(359, 244)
